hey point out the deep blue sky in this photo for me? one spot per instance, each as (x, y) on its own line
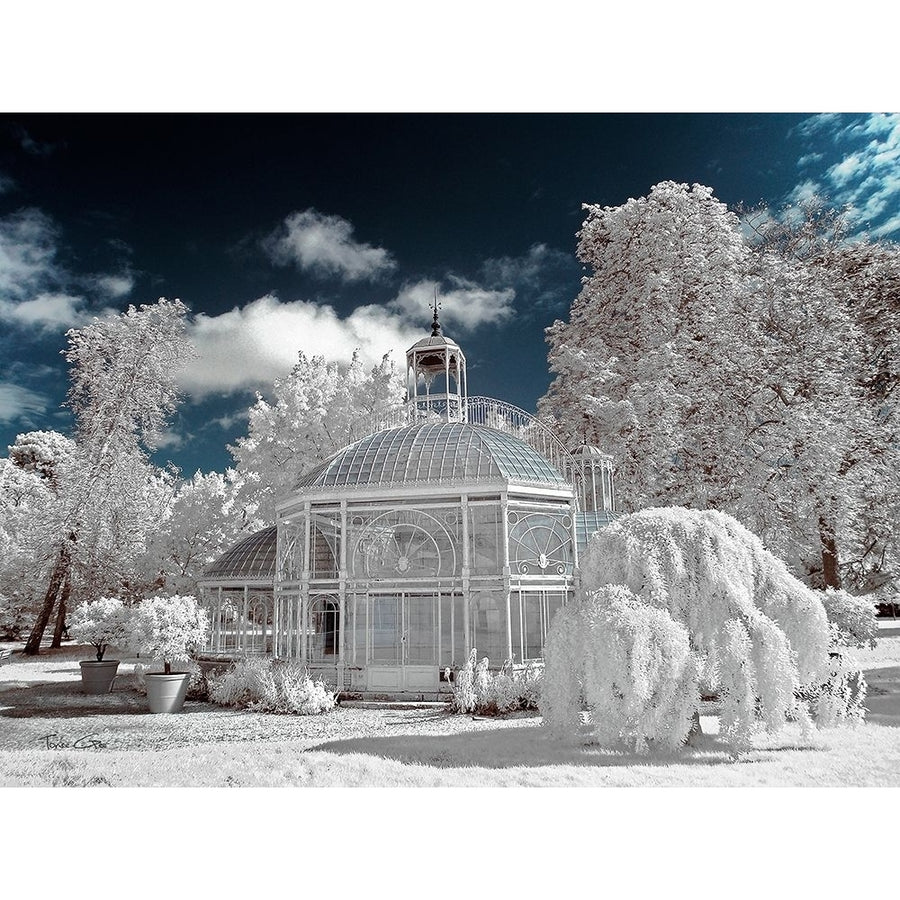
(345, 223)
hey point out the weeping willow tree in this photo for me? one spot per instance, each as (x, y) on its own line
(675, 604)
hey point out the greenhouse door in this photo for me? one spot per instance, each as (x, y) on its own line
(403, 642)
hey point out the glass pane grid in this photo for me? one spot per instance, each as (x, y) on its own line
(253, 557)
(434, 452)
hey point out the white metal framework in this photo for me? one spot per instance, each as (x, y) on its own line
(456, 526)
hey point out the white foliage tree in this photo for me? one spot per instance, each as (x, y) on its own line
(203, 518)
(763, 636)
(40, 466)
(318, 409)
(750, 376)
(638, 365)
(629, 662)
(123, 389)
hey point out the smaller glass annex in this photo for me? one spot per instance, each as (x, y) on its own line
(392, 560)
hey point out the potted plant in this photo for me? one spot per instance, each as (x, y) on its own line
(169, 630)
(101, 623)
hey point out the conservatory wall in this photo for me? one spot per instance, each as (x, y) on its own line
(241, 619)
(387, 594)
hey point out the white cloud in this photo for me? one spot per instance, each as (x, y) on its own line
(167, 440)
(27, 253)
(6, 183)
(464, 304)
(228, 421)
(806, 190)
(17, 402)
(115, 286)
(325, 245)
(847, 169)
(542, 278)
(34, 286)
(47, 311)
(249, 347)
(865, 177)
(809, 159)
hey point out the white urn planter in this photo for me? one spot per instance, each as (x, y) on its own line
(166, 692)
(97, 676)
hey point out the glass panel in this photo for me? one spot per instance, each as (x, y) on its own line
(385, 633)
(230, 620)
(259, 624)
(489, 625)
(324, 545)
(434, 452)
(518, 634)
(540, 543)
(532, 613)
(453, 637)
(290, 551)
(420, 634)
(357, 651)
(252, 557)
(404, 543)
(485, 539)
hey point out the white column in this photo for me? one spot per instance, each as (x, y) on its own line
(504, 511)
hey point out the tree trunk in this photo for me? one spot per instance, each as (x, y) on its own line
(60, 574)
(830, 571)
(61, 611)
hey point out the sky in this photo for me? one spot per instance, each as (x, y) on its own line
(329, 233)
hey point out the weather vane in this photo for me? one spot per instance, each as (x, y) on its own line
(436, 325)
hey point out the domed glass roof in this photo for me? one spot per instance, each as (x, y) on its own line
(249, 559)
(436, 453)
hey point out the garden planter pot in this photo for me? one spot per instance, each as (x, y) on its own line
(97, 677)
(166, 693)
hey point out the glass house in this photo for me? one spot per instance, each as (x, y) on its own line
(458, 527)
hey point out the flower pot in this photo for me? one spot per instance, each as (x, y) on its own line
(97, 676)
(166, 693)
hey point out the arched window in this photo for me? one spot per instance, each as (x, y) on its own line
(324, 637)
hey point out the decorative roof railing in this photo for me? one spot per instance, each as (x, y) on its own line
(503, 417)
(520, 424)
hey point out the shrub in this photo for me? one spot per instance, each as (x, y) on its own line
(630, 663)
(839, 698)
(101, 623)
(855, 618)
(169, 629)
(477, 690)
(267, 685)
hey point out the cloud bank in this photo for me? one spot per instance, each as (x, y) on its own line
(34, 285)
(250, 346)
(865, 175)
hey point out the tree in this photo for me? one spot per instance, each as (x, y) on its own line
(203, 518)
(761, 636)
(39, 466)
(318, 409)
(122, 391)
(638, 366)
(731, 374)
(845, 321)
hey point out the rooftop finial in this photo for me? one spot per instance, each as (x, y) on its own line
(435, 325)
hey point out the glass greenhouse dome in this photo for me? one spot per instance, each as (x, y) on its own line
(457, 528)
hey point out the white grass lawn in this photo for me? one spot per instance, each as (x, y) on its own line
(205, 746)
